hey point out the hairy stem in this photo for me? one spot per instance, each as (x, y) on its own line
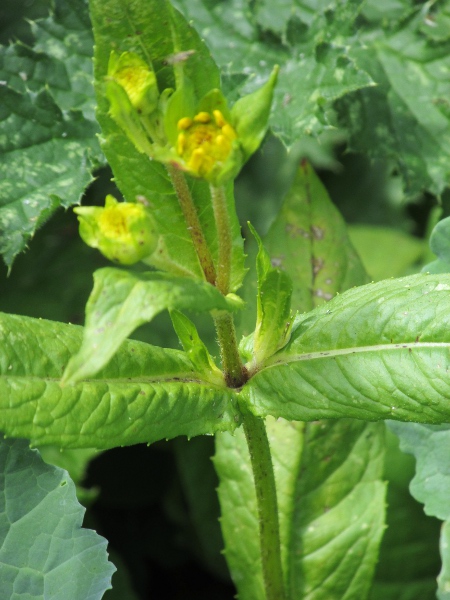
(219, 202)
(193, 223)
(234, 371)
(266, 496)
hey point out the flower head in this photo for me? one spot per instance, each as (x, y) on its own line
(205, 143)
(199, 136)
(124, 232)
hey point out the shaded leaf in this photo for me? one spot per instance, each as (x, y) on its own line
(429, 444)
(38, 504)
(199, 482)
(393, 120)
(47, 128)
(409, 555)
(315, 66)
(374, 245)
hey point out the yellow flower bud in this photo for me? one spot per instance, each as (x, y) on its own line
(137, 79)
(124, 232)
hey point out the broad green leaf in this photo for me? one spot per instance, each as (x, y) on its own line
(315, 66)
(123, 300)
(44, 550)
(392, 120)
(142, 27)
(331, 507)
(444, 575)
(53, 149)
(374, 245)
(409, 555)
(75, 462)
(429, 444)
(47, 130)
(378, 351)
(273, 306)
(145, 393)
(440, 245)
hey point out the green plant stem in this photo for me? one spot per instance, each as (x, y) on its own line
(193, 223)
(219, 202)
(266, 496)
(236, 375)
(233, 369)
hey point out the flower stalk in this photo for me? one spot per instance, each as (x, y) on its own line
(193, 223)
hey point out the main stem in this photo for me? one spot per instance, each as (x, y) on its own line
(236, 375)
(266, 496)
(254, 428)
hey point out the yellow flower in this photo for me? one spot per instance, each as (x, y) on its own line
(205, 142)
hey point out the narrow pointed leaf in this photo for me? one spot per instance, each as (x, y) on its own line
(144, 394)
(44, 550)
(122, 300)
(309, 240)
(378, 351)
(273, 306)
(196, 350)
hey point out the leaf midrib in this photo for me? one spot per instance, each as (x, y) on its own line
(280, 359)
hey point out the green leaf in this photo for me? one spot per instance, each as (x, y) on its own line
(409, 555)
(273, 306)
(44, 550)
(331, 507)
(374, 246)
(429, 445)
(250, 115)
(444, 575)
(47, 127)
(195, 349)
(431, 484)
(309, 240)
(54, 149)
(76, 463)
(145, 393)
(314, 58)
(123, 300)
(378, 351)
(440, 245)
(392, 120)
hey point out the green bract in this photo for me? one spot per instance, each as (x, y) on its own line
(122, 231)
(200, 136)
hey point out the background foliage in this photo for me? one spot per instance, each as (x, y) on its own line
(382, 152)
